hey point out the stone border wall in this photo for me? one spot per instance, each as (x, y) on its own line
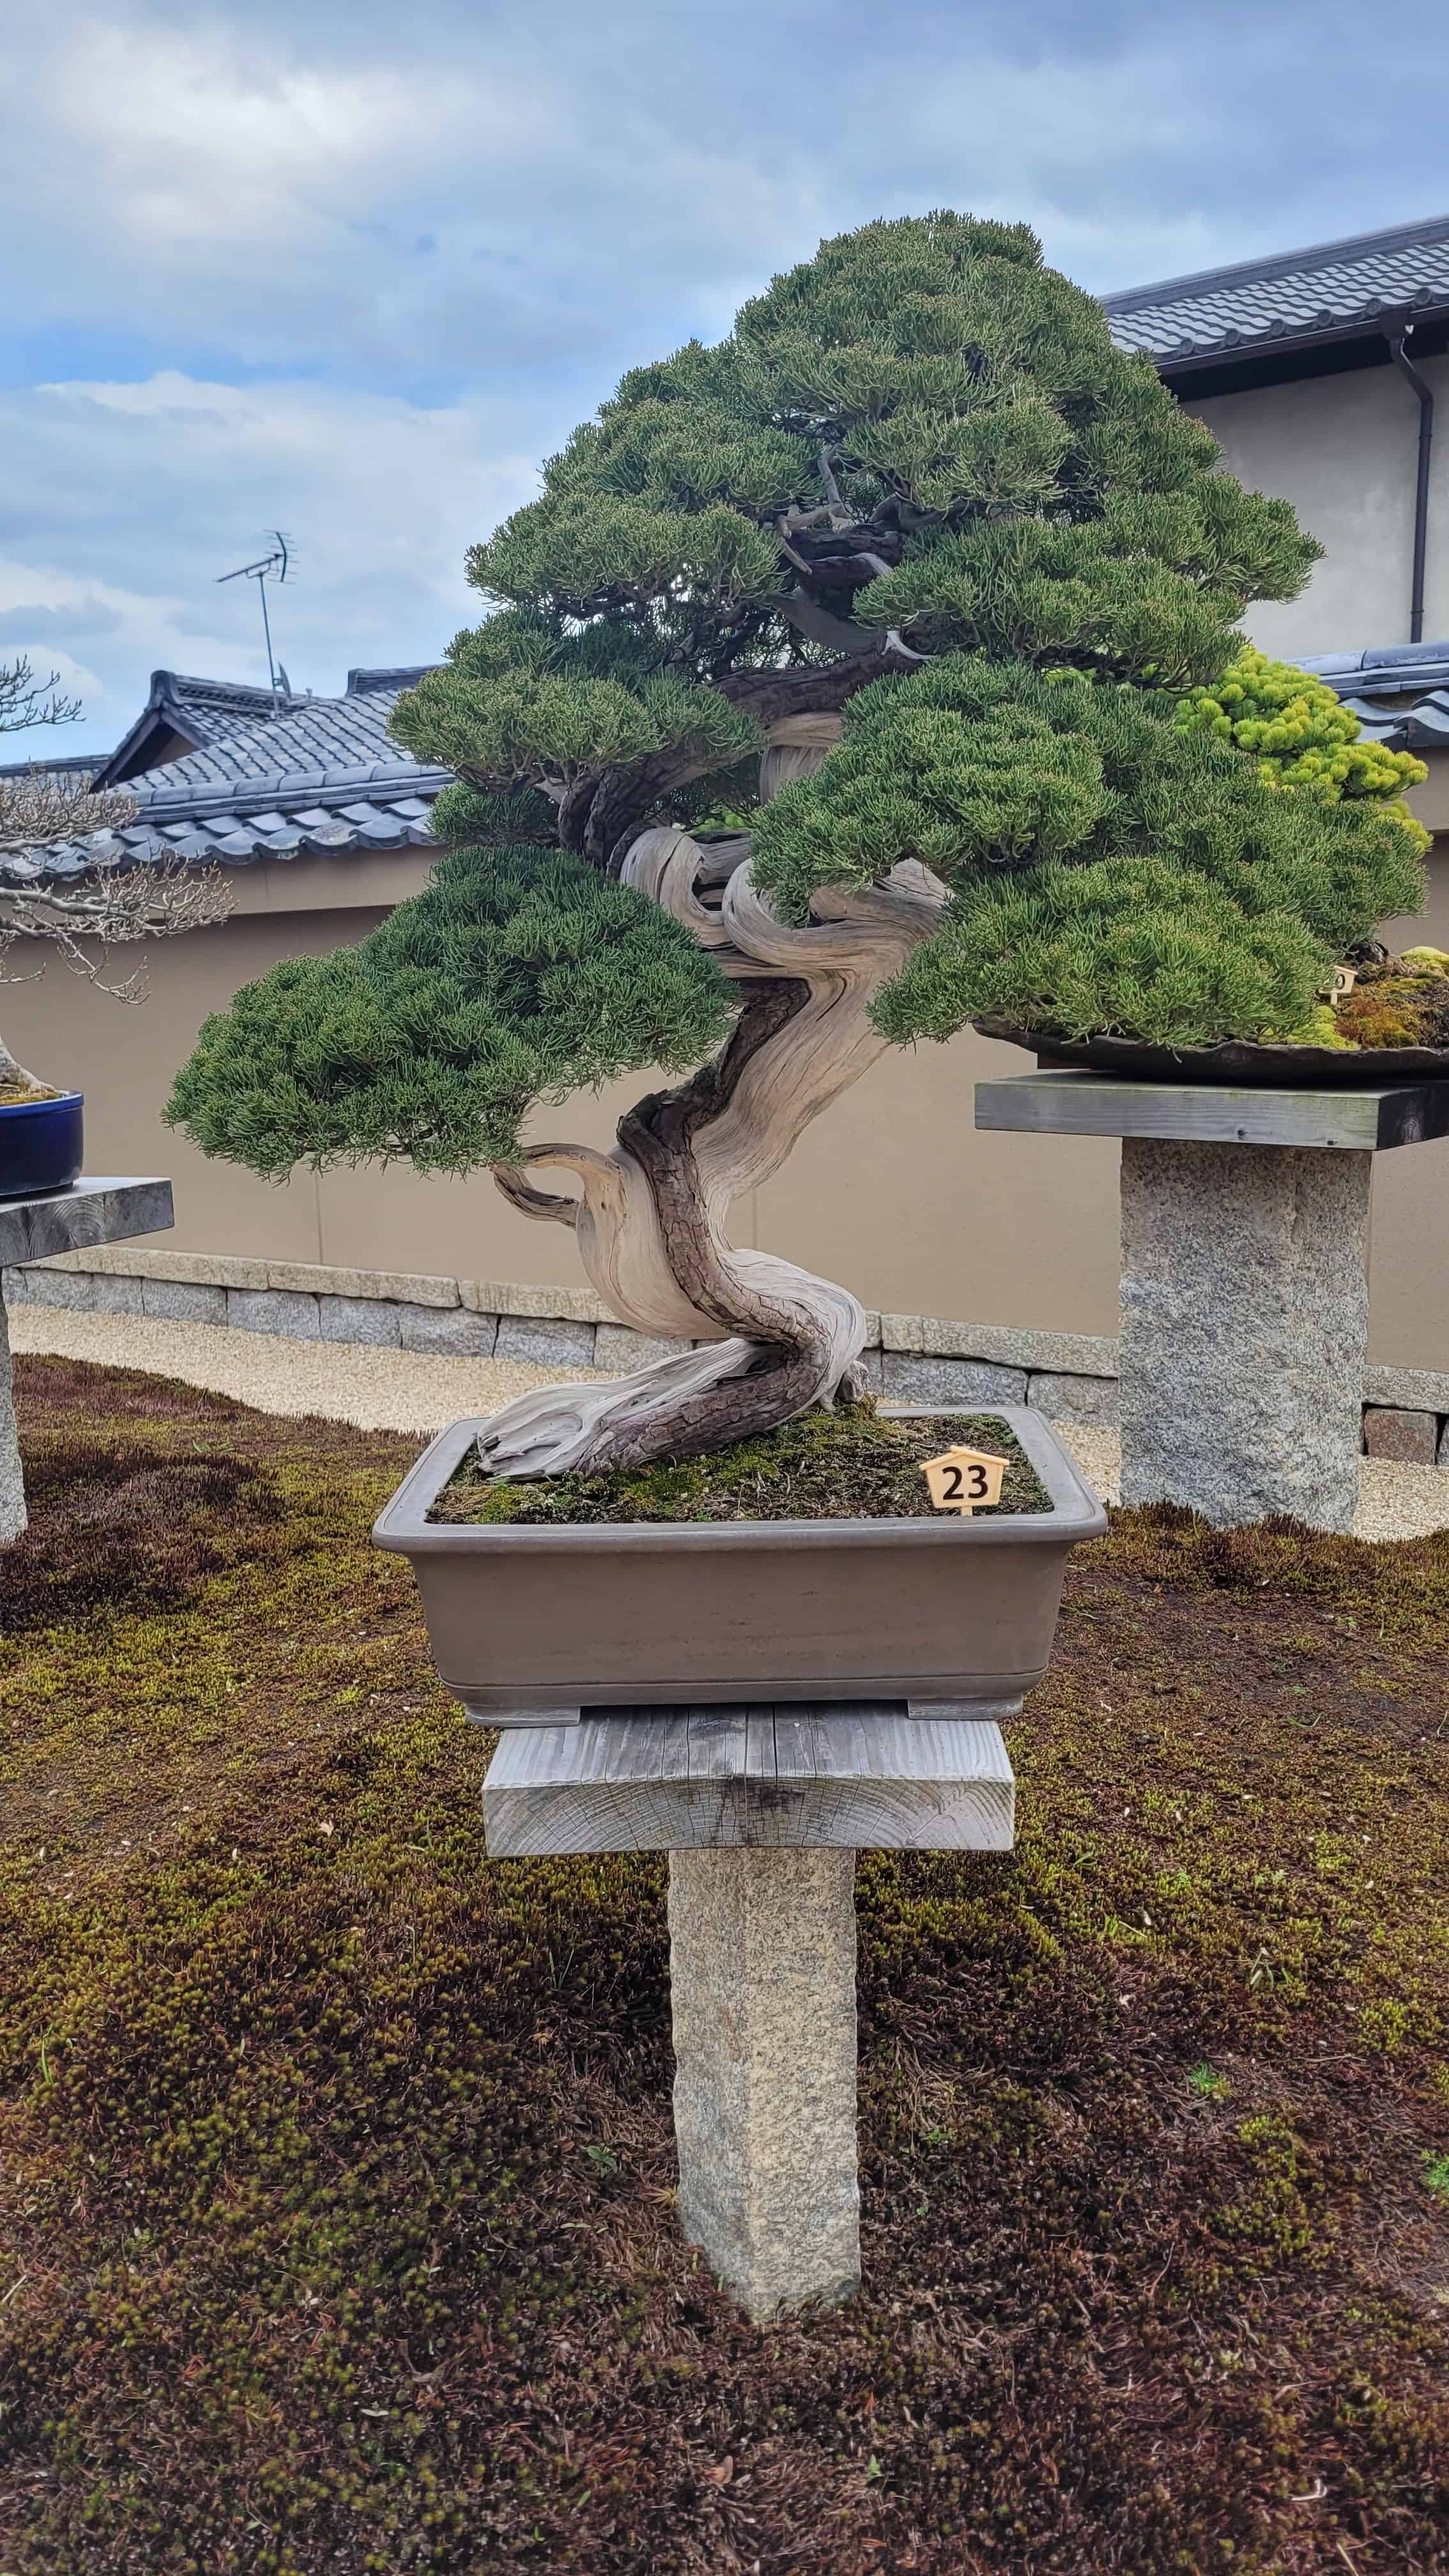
(913, 1358)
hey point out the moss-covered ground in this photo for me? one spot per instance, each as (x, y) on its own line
(337, 2231)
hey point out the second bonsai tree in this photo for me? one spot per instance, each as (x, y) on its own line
(918, 520)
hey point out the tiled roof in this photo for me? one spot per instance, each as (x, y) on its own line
(81, 769)
(1324, 293)
(1399, 692)
(322, 777)
(200, 711)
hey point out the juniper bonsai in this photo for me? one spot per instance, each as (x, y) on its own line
(916, 494)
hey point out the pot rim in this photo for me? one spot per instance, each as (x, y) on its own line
(40, 1108)
(1265, 1063)
(1076, 1514)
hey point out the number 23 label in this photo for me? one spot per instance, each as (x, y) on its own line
(962, 1478)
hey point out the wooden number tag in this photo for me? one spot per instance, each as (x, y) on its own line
(961, 1478)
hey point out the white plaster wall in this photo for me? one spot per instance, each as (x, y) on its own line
(1343, 449)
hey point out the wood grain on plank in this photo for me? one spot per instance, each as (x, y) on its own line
(1089, 1104)
(847, 1777)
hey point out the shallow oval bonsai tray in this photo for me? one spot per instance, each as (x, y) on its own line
(657, 1613)
(1238, 1060)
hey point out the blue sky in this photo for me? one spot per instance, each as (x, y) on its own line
(355, 269)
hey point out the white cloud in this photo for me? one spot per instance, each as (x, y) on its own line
(135, 497)
(365, 266)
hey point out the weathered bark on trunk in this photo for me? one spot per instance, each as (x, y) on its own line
(650, 1216)
(15, 1076)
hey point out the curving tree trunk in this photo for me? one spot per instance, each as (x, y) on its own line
(650, 1217)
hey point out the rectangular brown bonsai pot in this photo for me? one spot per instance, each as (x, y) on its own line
(657, 1613)
(643, 1613)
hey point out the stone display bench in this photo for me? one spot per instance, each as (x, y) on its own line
(1244, 1299)
(912, 1359)
(38, 1229)
(761, 1811)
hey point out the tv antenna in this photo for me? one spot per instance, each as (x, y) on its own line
(274, 566)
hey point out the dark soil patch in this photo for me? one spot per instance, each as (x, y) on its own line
(852, 1464)
(129, 1527)
(336, 2231)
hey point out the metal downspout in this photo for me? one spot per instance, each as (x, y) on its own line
(1406, 367)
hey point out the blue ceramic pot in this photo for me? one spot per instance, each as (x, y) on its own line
(41, 1145)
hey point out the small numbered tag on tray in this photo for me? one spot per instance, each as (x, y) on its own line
(960, 1479)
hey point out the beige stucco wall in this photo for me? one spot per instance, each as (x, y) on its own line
(1343, 449)
(892, 1191)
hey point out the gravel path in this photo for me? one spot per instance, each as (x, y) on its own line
(406, 1391)
(379, 1390)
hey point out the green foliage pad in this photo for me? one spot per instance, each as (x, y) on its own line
(516, 975)
(1108, 869)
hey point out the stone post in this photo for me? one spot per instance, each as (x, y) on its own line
(762, 1971)
(13, 1515)
(1244, 1328)
(37, 1229)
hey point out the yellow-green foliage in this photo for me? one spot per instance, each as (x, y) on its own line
(1303, 736)
(337, 2233)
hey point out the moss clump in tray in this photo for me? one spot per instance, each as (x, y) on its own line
(852, 1464)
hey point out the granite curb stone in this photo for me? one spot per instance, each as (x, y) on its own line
(521, 1297)
(374, 1320)
(391, 1286)
(1075, 1399)
(1414, 1390)
(190, 1269)
(924, 1380)
(448, 1332)
(110, 1296)
(183, 1301)
(274, 1310)
(616, 1346)
(549, 1342)
(1389, 1432)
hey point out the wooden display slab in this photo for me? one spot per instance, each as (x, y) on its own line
(1370, 1120)
(847, 1774)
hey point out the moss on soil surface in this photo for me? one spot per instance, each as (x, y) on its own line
(853, 1464)
(335, 2163)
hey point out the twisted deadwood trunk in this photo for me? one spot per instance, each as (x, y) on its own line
(650, 1217)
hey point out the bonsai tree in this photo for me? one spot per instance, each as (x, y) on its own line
(80, 916)
(915, 527)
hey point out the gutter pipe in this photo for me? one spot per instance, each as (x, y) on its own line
(1407, 368)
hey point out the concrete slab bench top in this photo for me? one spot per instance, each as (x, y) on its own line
(88, 1213)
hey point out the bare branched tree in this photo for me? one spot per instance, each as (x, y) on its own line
(115, 902)
(26, 701)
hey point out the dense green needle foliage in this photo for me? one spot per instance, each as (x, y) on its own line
(516, 975)
(1109, 871)
(922, 428)
(918, 453)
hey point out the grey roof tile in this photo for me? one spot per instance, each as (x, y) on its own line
(1302, 294)
(324, 775)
